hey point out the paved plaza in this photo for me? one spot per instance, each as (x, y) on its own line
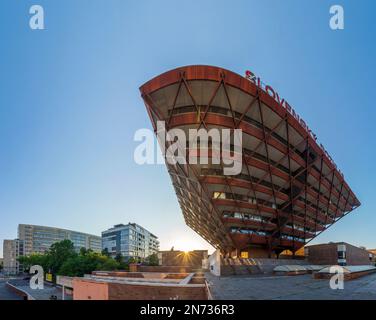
(44, 294)
(5, 293)
(289, 288)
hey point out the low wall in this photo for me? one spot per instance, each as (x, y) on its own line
(140, 275)
(290, 273)
(90, 290)
(85, 289)
(164, 269)
(118, 274)
(197, 279)
(156, 292)
(347, 276)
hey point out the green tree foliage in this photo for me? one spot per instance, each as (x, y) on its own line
(132, 260)
(81, 264)
(59, 253)
(111, 264)
(152, 260)
(119, 258)
(63, 260)
(105, 252)
(34, 259)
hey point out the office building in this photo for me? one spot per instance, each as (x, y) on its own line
(288, 190)
(12, 249)
(38, 239)
(131, 241)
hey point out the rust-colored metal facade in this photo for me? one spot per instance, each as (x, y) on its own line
(288, 191)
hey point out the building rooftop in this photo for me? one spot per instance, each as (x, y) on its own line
(57, 228)
(122, 226)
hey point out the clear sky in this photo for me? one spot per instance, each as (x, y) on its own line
(70, 104)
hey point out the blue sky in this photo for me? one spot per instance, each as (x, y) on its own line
(70, 104)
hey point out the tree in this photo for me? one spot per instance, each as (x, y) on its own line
(132, 260)
(152, 260)
(87, 262)
(119, 258)
(105, 252)
(71, 267)
(62, 259)
(109, 265)
(84, 251)
(34, 259)
(59, 253)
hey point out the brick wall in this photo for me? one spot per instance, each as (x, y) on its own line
(85, 289)
(326, 254)
(357, 256)
(197, 280)
(133, 267)
(154, 292)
